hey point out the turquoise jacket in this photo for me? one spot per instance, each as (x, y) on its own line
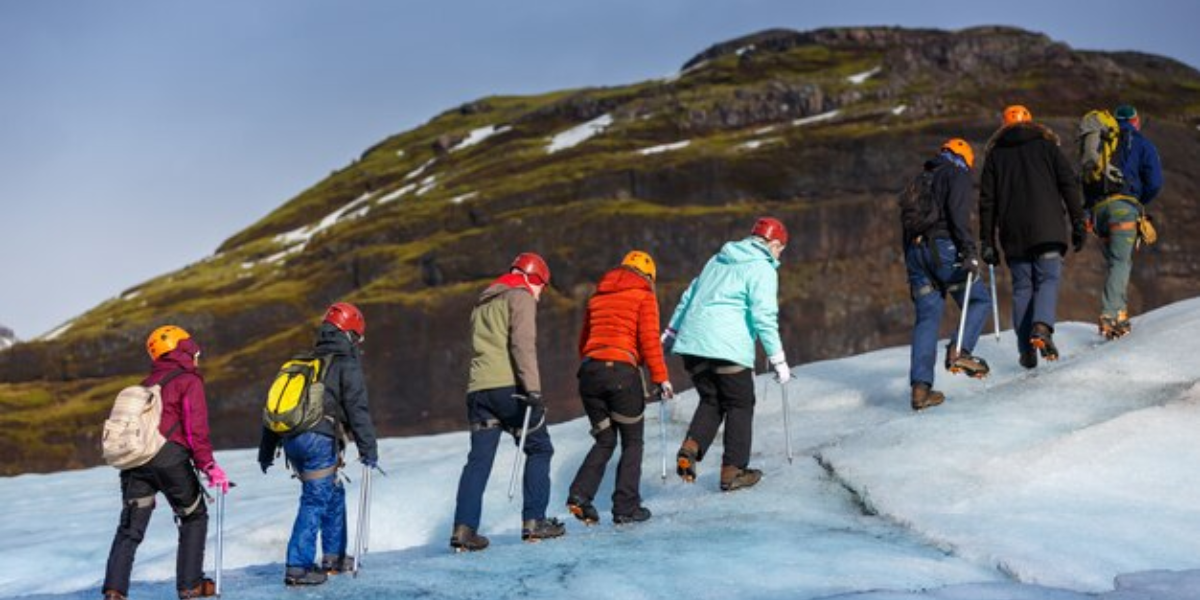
(731, 304)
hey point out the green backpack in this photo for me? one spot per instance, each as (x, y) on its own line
(1099, 136)
(296, 400)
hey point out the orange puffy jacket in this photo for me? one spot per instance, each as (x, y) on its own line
(621, 323)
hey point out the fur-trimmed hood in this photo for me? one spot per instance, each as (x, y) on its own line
(1022, 133)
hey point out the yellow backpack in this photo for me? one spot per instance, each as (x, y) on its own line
(1099, 135)
(296, 400)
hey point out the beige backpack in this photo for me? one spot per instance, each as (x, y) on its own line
(131, 437)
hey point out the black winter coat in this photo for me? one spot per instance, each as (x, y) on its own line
(345, 397)
(1028, 191)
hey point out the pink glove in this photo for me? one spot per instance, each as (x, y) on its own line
(216, 478)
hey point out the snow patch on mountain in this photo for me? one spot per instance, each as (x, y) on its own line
(860, 78)
(579, 134)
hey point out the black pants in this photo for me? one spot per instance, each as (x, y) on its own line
(614, 401)
(169, 472)
(726, 394)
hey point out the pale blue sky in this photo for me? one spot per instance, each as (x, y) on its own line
(136, 136)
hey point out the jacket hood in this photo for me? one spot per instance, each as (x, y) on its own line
(1022, 133)
(331, 340)
(620, 279)
(503, 284)
(748, 250)
(179, 359)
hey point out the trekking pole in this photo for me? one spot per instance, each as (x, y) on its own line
(787, 428)
(517, 462)
(662, 433)
(220, 543)
(995, 304)
(359, 544)
(962, 321)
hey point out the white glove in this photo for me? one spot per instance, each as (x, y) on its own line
(668, 339)
(783, 373)
(666, 391)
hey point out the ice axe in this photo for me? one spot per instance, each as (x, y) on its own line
(662, 433)
(787, 428)
(995, 304)
(219, 556)
(519, 461)
(364, 519)
(962, 321)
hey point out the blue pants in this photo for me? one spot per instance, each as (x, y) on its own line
(1035, 294)
(491, 413)
(322, 501)
(929, 301)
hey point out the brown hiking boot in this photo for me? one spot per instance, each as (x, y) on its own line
(965, 362)
(206, 588)
(464, 539)
(685, 461)
(113, 595)
(1043, 340)
(1029, 359)
(924, 397)
(733, 478)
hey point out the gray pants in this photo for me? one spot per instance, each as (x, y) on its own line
(1116, 222)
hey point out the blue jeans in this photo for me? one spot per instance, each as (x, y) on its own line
(491, 413)
(1035, 294)
(929, 302)
(322, 501)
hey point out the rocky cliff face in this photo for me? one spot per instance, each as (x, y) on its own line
(7, 338)
(817, 128)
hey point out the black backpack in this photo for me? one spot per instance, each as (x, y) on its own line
(919, 209)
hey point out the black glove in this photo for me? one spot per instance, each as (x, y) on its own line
(533, 399)
(972, 265)
(989, 256)
(1079, 234)
(371, 461)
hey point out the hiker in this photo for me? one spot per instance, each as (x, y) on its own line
(315, 452)
(1026, 187)
(1115, 213)
(503, 383)
(172, 471)
(939, 252)
(620, 333)
(731, 304)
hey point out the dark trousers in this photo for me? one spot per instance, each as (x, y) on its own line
(724, 396)
(490, 413)
(614, 400)
(171, 473)
(322, 501)
(1035, 294)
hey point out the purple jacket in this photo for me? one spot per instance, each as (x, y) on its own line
(185, 410)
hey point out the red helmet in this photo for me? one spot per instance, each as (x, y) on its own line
(770, 229)
(532, 266)
(347, 317)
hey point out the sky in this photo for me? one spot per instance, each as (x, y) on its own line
(136, 136)
(1040, 485)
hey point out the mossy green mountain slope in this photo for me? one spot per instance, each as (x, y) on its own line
(817, 128)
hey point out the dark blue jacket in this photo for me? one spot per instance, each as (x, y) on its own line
(952, 187)
(1139, 161)
(345, 397)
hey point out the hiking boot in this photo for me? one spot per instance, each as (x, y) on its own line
(114, 595)
(965, 362)
(685, 461)
(639, 514)
(1108, 327)
(536, 530)
(583, 510)
(1123, 324)
(204, 589)
(337, 564)
(1043, 340)
(924, 397)
(295, 576)
(1029, 359)
(464, 539)
(733, 478)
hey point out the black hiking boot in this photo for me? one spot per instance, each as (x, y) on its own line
(733, 478)
(536, 530)
(583, 510)
(639, 515)
(114, 595)
(685, 461)
(1043, 340)
(965, 362)
(464, 539)
(925, 397)
(204, 589)
(336, 565)
(297, 576)
(1029, 359)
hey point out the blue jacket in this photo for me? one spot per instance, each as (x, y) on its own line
(732, 303)
(1139, 161)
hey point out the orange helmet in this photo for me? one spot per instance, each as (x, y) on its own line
(960, 147)
(1016, 114)
(642, 262)
(770, 229)
(347, 317)
(533, 266)
(165, 339)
